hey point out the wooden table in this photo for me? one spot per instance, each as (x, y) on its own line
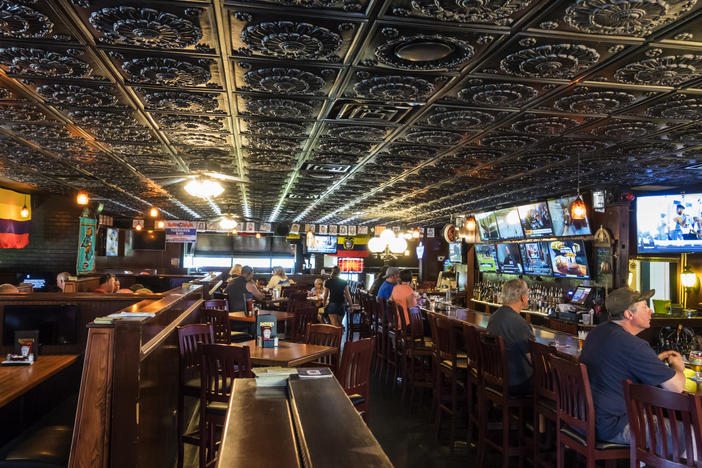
(18, 380)
(287, 354)
(242, 317)
(259, 431)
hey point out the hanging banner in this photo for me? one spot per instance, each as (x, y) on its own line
(86, 246)
(14, 228)
(180, 232)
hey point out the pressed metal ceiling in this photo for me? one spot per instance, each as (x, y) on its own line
(348, 111)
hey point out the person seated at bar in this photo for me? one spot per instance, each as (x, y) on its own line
(279, 279)
(392, 277)
(403, 294)
(516, 333)
(613, 353)
(234, 272)
(8, 288)
(107, 284)
(379, 280)
(61, 279)
(336, 295)
(241, 289)
(120, 290)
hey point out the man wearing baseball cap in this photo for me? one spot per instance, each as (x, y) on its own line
(392, 277)
(613, 353)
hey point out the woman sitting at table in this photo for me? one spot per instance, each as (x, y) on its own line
(336, 296)
(234, 273)
(279, 279)
(241, 289)
(318, 289)
(403, 294)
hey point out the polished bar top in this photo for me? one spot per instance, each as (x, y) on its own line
(332, 432)
(17, 380)
(259, 430)
(169, 298)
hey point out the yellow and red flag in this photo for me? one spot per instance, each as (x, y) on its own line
(14, 228)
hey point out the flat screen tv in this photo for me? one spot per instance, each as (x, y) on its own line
(149, 240)
(487, 225)
(569, 258)
(486, 257)
(323, 244)
(508, 223)
(536, 220)
(456, 252)
(669, 223)
(57, 324)
(536, 258)
(563, 224)
(39, 281)
(509, 260)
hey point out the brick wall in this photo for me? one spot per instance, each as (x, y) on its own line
(53, 238)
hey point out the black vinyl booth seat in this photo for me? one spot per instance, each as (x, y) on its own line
(45, 447)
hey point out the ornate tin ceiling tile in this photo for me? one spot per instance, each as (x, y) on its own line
(577, 146)
(497, 94)
(77, 96)
(279, 108)
(392, 160)
(475, 156)
(691, 134)
(563, 61)
(670, 70)
(129, 148)
(394, 88)
(122, 134)
(624, 129)
(181, 101)
(407, 151)
(276, 128)
(283, 81)
(641, 149)
(21, 112)
(542, 158)
(191, 123)
(167, 71)
(680, 107)
(274, 144)
(198, 139)
(498, 12)
(41, 131)
(145, 27)
(544, 125)
(293, 40)
(586, 101)
(18, 20)
(460, 119)
(331, 146)
(39, 62)
(334, 158)
(99, 118)
(357, 133)
(507, 141)
(424, 52)
(433, 137)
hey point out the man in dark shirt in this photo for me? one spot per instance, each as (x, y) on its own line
(515, 332)
(613, 353)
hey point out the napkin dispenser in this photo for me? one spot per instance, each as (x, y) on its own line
(266, 331)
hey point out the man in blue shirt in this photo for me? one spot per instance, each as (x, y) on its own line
(613, 353)
(392, 277)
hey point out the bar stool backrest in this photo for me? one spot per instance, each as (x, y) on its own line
(220, 324)
(325, 335)
(647, 409)
(303, 316)
(190, 339)
(219, 304)
(446, 339)
(415, 330)
(573, 396)
(494, 362)
(219, 366)
(471, 342)
(544, 386)
(354, 370)
(393, 316)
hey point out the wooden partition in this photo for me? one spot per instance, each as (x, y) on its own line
(164, 282)
(128, 397)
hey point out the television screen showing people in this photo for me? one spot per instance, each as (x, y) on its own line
(487, 225)
(487, 257)
(569, 259)
(323, 244)
(669, 223)
(562, 220)
(456, 252)
(536, 220)
(508, 259)
(536, 258)
(508, 223)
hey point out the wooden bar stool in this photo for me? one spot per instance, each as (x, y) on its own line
(652, 410)
(381, 336)
(325, 335)
(393, 343)
(544, 399)
(471, 343)
(354, 373)
(495, 391)
(190, 339)
(576, 415)
(417, 356)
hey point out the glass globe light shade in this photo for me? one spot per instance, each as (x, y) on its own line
(376, 244)
(387, 235)
(398, 245)
(688, 278)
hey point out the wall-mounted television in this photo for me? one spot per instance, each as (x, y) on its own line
(456, 252)
(149, 240)
(669, 223)
(563, 223)
(508, 223)
(509, 259)
(487, 257)
(487, 226)
(569, 259)
(536, 220)
(536, 258)
(322, 244)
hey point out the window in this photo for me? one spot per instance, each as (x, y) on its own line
(257, 263)
(191, 261)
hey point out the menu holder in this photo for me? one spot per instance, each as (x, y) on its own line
(26, 348)
(266, 331)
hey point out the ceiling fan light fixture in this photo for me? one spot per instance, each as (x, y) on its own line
(204, 188)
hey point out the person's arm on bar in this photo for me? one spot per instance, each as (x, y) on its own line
(677, 382)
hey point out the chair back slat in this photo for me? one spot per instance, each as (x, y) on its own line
(446, 339)
(219, 304)
(471, 343)
(219, 366)
(393, 316)
(494, 362)
(220, 324)
(190, 339)
(573, 396)
(354, 370)
(544, 386)
(303, 316)
(325, 335)
(415, 330)
(652, 410)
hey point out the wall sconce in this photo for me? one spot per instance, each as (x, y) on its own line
(688, 279)
(470, 224)
(82, 198)
(153, 212)
(415, 233)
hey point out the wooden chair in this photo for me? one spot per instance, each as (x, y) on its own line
(648, 410)
(563, 326)
(190, 339)
(471, 343)
(417, 356)
(354, 373)
(219, 366)
(448, 372)
(381, 334)
(544, 398)
(576, 415)
(325, 335)
(303, 316)
(393, 343)
(494, 389)
(219, 318)
(219, 304)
